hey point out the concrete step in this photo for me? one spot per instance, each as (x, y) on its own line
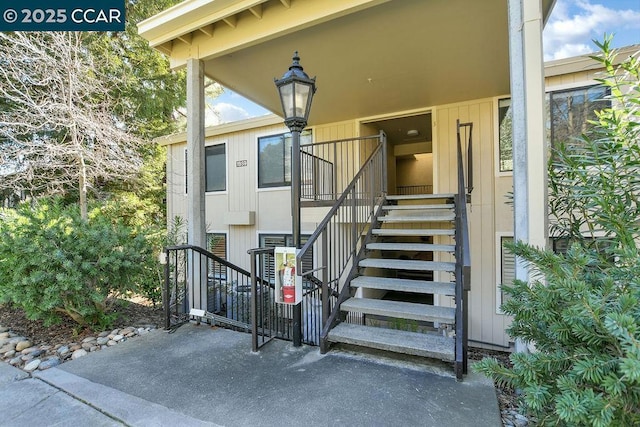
(424, 345)
(419, 217)
(408, 264)
(418, 207)
(416, 247)
(404, 285)
(419, 232)
(400, 309)
(422, 197)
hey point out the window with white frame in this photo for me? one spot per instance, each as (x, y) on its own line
(569, 115)
(274, 159)
(215, 167)
(276, 240)
(572, 111)
(505, 135)
(217, 244)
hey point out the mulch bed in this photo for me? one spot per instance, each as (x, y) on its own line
(129, 314)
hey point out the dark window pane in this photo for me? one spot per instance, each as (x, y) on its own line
(216, 168)
(274, 159)
(571, 111)
(505, 118)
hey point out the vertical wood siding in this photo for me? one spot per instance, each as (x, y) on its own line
(485, 325)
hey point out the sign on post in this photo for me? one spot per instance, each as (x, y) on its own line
(288, 284)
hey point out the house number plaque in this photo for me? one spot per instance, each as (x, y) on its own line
(241, 163)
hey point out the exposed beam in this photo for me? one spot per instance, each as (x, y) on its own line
(257, 11)
(286, 3)
(231, 20)
(186, 38)
(166, 47)
(207, 29)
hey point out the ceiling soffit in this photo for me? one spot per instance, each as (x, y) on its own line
(370, 57)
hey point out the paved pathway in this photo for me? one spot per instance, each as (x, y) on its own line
(201, 376)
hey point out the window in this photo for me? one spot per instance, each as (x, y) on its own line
(568, 115)
(274, 159)
(505, 135)
(215, 168)
(507, 272)
(186, 175)
(217, 244)
(274, 240)
(571, 111)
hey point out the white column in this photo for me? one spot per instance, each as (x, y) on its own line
(196, 223)
(529, 145)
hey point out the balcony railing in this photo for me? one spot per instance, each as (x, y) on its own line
(328, 167)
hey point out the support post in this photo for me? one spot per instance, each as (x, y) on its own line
(529, 148)
(196, 228)
(295, 223)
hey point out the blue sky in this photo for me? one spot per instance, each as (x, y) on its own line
(575, 23)
(569, 32)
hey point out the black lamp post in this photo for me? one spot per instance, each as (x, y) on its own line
(296, 91)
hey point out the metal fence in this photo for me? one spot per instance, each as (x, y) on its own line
(197, 279)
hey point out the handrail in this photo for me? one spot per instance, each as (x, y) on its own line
(316, 234)
(209, 255)
(196, 278)
(463, 259)
(327, 167)
(356, 205)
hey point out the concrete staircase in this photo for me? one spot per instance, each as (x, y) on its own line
(395, 291)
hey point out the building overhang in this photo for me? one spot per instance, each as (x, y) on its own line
(371, 57)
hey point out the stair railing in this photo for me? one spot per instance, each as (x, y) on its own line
(340, 236)
(328, 167)
(198, 279)
(463, 257)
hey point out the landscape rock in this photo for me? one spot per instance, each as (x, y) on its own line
(49, 363)
(118, 338)
(32, 365)
(28, 350)
(21, 345)
(102, 340)
(63, 351)
(78, 353)
(8, 347)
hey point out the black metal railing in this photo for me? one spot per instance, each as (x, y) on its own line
(318, 177)
(328, 167)
(197, 279)
(463, 255)
(275, 320)
(340, 236)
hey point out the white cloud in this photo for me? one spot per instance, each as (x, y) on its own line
(229, 112)
(575, 23)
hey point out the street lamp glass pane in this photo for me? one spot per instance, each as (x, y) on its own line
(301, 96)
(286, 95)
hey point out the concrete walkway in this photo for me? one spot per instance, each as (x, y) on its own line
(201, 376)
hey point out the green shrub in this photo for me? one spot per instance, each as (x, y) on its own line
(52, 263)
(582, 310)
